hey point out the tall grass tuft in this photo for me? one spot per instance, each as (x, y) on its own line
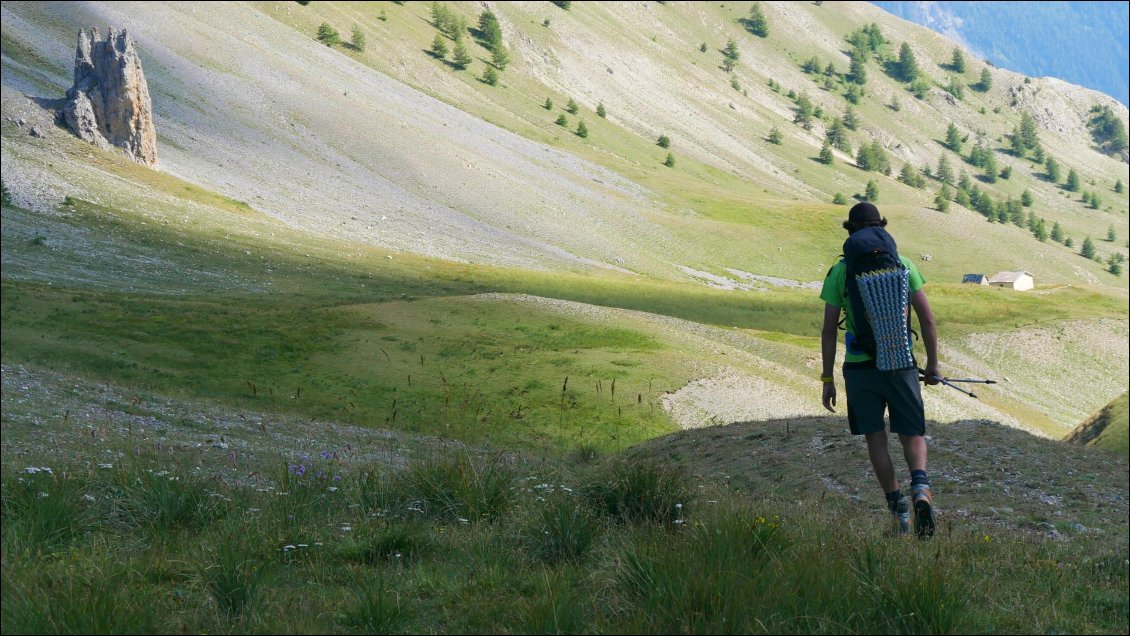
(638, 491)
(164, 502)
(234, 568)
(42, 511)
(563, 530)
(99, 598)
(377, 609)
(459, 488)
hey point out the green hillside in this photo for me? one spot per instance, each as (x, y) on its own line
(1107, 428)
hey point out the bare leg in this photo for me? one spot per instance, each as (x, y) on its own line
(914, 450)
(881, 460)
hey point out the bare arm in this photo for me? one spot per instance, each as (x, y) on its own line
(828, 353)
(929, 333)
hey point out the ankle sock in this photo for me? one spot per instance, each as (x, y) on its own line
(919, 478)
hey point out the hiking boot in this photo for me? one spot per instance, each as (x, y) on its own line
(923, 503)
(901, 514)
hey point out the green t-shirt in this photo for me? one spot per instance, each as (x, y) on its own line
(834, 292)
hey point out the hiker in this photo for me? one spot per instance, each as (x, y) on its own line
(881, 377)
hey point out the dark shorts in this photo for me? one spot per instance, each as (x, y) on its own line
(871, 391)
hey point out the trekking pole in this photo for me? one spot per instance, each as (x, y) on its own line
(948, 382)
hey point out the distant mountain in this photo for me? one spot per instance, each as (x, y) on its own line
(1085, 43)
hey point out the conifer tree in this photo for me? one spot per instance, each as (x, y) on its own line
(670, 161)
(562, 120)
(907, 65)
(357, 38)
(1088, 248)
(1026, 198)
(600, 112)
(499, 57)
(730, 55)
(872, 192)
(945, 172)
(490, 76)
(850, 119)
(774, 136)
(826, 153)
(571, 107)
(1051, 167)
(986, 80)
(439, 47)
(958, 63)
(459, 56)
(328, 35)
(548, 105)
(953, 138)
(1057, 233)
(757, 23)
(1072, 180)
(837, 135)
(582, 129)
(664, 141)
(942, 199)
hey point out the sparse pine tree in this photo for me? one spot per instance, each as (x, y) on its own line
(490, 76)
(499, 57)
(1088, 248)
(1068, 242)
(1118, 187)
(459, 56)
(439, 47)
(562, 120)
(757, 24)
(956, 88)
(990, 167)
(1026, 198)
(945, 172)
(775, 136)
(953, 138)
(664, 141)
(1040, 231)
(1029, 134)
(857, 71)
(872, 192)
(730, 55)
(839, 199)
(1096, 202)
(357, 38)
(1072, 180)
(1114, 267)
(958, 62)
(837, 135)
(851, 121)
(942, 199)
(908, 70)
(600, 112)
(571, 107)
(328, 35)
(489, 29)
(1051, 168)
(1110, 235)
(548, 105)
(826, 153)
(702, 47)
(5, 194)
(803, 111)
(669, 161)
(582, 129)
(986, 80)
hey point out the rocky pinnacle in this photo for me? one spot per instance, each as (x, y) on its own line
(109, 104)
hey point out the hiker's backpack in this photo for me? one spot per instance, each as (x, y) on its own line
(878, 288)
